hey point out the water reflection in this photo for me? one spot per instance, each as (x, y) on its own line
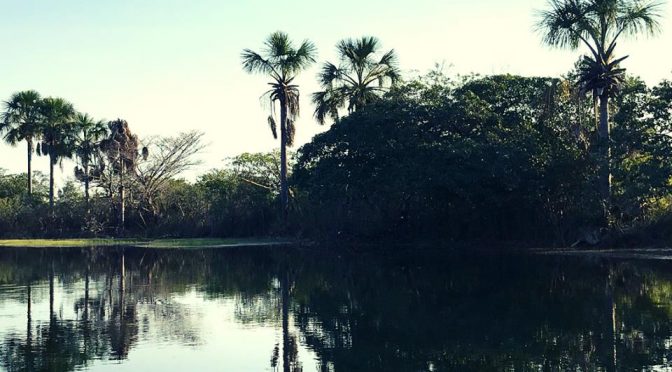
(292, 310)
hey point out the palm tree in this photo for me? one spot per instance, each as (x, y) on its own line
(360, 77)
(87, 147)
(58, 135)
(20, 122)
(598, 24)
(121, 149)
(282, 62)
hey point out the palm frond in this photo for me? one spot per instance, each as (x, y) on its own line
(255, 63)
(292, 101)
(328, 74)
(273, 126)
(640, 17)
(326, 105)
(559, 25)
(291, 132)
(351, 85)
(303, 57)
(278, 45)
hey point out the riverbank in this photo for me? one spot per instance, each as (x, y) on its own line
(148, 243)
(619, 253)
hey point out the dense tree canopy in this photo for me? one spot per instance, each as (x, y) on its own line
(476, 158)
(495, 158)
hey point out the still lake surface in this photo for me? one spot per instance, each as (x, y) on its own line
(280, 309)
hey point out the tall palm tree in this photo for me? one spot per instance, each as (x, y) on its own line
(20, 122)
(121, 149)
(87, 147)
(598, 25)
(360, 77)
(282, 62)
(58, 135)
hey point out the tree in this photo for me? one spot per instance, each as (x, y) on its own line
(58, 135)
(360, 77)
(20, 122)
(484, 159)
(282, 62)
(259, 169)
(168, 158)
(240, 198)
(598, 24)
(87, 147)
(121, 149)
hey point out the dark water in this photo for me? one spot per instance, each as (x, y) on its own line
(272, 309)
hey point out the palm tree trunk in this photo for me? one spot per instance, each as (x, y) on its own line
(604, 149)
(86, 185)
(29, 142)
(284, 194)
(122, 196)
(51, 182)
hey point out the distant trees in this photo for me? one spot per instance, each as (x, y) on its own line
(121, 148)
(241, 199)
(21, 122)
(57, 133)
(109, 157)
(165, 159)
(598, 24)
(89, 134)
(360, 77)
(282, 62)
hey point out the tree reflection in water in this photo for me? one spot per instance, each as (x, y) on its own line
(409, 312)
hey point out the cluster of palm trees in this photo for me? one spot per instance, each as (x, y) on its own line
(52, 127)
(362, 75)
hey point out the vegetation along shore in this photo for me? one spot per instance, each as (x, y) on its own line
(579, 159)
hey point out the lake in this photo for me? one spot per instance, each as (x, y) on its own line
(287, 309)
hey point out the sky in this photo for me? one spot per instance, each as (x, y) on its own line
(168, 66)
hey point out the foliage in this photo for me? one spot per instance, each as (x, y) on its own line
(21, 121)
(167, 158)
(597, 25)
(241, 200)
(493, 158)
(359, 79)
(89, 134)
(282, 62)
(489, 159)
(58, 131)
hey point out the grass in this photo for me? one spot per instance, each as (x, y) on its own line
(210, 243)
(156, 244)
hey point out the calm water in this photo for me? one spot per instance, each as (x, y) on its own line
(270, 309)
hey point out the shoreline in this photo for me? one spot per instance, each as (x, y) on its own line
(196, 243)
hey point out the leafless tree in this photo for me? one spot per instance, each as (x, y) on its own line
(168, 157)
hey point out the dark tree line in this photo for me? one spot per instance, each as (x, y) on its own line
(477, 158)
(488, 158)
(581, 158)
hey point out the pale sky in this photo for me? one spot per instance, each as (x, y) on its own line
(173, 65)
